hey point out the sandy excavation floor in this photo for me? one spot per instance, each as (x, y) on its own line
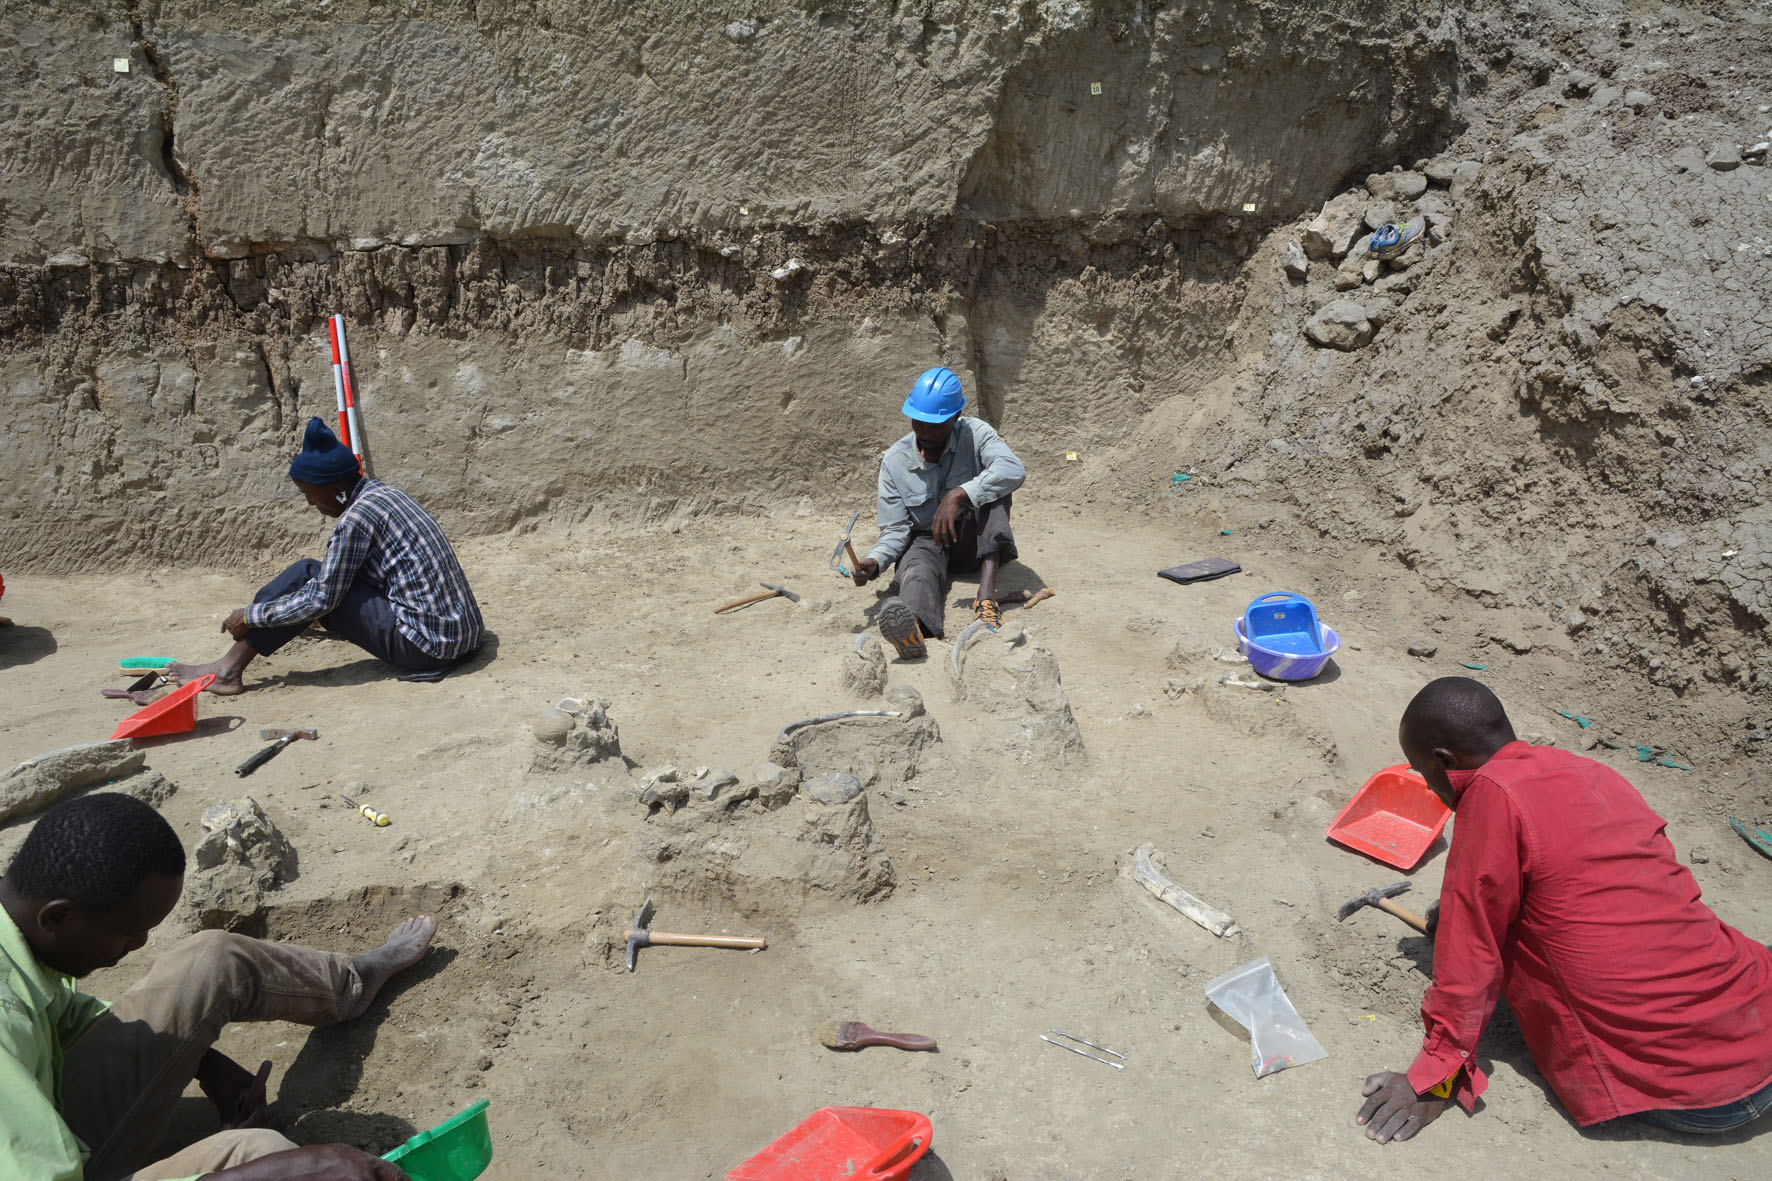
(1011, 913)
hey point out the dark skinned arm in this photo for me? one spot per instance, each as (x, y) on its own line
(235, 623)
(239, 1097)
(866, 571)
(1393, 1111)
(316, 1162)
(947, 515)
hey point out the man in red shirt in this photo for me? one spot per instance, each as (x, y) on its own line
(1562, 890)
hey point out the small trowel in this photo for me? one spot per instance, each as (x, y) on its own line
(283, 737)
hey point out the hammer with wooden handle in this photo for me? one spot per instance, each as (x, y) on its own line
(773, 592)
(1381, 898)
(639, 936)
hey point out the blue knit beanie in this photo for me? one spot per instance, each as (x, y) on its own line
(323, 459)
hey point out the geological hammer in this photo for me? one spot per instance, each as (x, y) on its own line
(845, 549)
(1381, 898)
(283, 737)
(639, 936)
(773, 592)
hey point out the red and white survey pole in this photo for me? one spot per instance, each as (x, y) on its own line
(341, 382)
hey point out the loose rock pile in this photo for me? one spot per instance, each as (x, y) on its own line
(242, 857)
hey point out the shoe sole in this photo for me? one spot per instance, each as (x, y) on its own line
(898, 623)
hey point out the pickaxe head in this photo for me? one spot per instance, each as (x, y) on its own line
(1370, 898)
(292, 735)
(781, 590)
(637, 934)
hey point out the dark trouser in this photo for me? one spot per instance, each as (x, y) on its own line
(364, 617)
(924, 569)
(1711, 1120)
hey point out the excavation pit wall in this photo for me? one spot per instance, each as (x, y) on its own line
(637, 261)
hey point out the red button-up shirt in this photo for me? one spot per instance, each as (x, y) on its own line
(1561, 888)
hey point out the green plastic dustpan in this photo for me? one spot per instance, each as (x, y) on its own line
(458, 1149)
(143, 662)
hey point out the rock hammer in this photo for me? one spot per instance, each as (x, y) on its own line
(283, 737)
(1380, 896)
(639, 936)
(773, 592)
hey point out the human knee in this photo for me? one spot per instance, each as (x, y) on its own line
(249, 1144)
(215, 954)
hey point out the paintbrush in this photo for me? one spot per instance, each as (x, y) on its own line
(853, 1035)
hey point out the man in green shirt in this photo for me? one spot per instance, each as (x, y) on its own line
(86, 1087)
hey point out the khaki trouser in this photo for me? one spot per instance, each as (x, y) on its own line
(223, 1150)
(120, 1080)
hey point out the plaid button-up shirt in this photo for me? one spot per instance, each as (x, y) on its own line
(385, 539)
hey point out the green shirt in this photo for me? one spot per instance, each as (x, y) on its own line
(41, 1015)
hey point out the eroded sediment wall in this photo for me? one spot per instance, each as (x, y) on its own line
(631, 255)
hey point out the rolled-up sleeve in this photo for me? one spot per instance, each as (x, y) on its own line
(893, 517)
(1479, 900)
(345, 551)
(1000, 471)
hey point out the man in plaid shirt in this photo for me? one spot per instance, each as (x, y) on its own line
(389, 582)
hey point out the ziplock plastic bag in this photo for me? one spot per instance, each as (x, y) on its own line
(1278, 1037)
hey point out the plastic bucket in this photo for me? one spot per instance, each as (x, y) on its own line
(458, 1149)
(1281, 621)
(1287, 666)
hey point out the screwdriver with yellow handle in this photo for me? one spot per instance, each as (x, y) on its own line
(380, 818)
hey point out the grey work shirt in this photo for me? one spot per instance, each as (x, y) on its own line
(911, 489)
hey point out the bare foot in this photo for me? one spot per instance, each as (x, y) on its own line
(406, 945)
(227, 682)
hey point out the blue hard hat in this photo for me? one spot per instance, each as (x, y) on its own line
(936, 396)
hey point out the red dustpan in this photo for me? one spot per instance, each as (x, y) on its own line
(1395, 817)
(172, 714)
(860, 1143)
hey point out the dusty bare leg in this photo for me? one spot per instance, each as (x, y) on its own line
(227, 670)
(987, 578)
(404, 948)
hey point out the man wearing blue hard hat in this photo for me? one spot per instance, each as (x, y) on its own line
(943, 509)
(390, 582)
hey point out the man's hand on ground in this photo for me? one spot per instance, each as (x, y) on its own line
(866, 571)
(1393, 1111)
(235, 623)
(316, 1162)
(946, 528)
(1432, 918)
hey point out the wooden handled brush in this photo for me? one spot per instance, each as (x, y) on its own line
(853, 1035)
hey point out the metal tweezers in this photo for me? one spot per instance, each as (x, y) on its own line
(1073, 1037)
